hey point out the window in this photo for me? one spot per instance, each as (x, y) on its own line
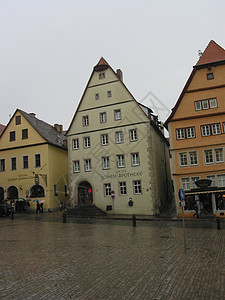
(210, 76)
(213, 180)
(205, 104)
(13, 163)
(213, 103)
(104, 139)
(55, 190)
(221, 180)
(87, 142)
(12, 136)
(103, 117)
(183, 159)
(109, 94)
(133, 135)
(97, 96)
(25, 134)
(185, 183)
(75, 143)
(190, 132)
(2, 165)
(198, 105)
(25, 162)
(216, 129)
(65, 190)
(117, 114)
(119, 137)
(137, 187)
(180, 134)
(205, 129)
(85, 121)
(194, 179)
(37, 160)
(219, 155)
(208, 156)
(193, 158)
(135, 159)
(18, 120)
(87, 165)
(123, 188)
(107, 189)
(105, 162)
(76, 166)
(101, 75)
(120, 161)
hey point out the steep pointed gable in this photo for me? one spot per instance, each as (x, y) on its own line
(213, 53)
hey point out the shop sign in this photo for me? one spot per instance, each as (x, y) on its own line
(203, 183)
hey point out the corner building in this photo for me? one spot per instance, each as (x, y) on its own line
(118, 155)
(197, 127)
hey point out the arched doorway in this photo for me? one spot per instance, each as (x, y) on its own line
(37, 191)
(12, 193)
(85, 193)
(1, 193)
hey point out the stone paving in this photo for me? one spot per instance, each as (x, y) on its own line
(44, 258)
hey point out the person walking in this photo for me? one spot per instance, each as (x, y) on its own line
(41, 207)
(38, 207)
(196, 210)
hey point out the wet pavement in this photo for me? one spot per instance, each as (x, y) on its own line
(44, 258)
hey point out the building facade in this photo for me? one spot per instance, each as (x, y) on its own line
(118, 155)
(197, 129)
(33, 161)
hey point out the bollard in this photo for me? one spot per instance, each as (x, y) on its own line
(134, 220)
(12, 214)
(64, 217)
(218, 223)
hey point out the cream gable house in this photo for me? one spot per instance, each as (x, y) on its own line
(118, 155)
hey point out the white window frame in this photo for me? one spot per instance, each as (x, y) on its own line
(117, 114)
(107, 189)
(183, 162)
(135, 160)
(193, 180)
(103, 117)
(137, 187)
(133, 135)
(205, 104)
(219, 157)
(198, 105)
(85, 121)
(190, 132)
(119, 137)
(87, 142)
(120, 161)
(123, 188)
(104, 139)
(213, 103)
(208, 156)
(205, 130)
(180, 132)
(105, 162)
(76, 166)
(216, 129)
(185, 183)
(213, 180)
(221, 180)
(193, 157)
(75, 143)
(87, 165)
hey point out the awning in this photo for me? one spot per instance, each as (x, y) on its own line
(196, 192)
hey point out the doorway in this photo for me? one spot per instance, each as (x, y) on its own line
(12, 193)
(205, 201)
(85, 193)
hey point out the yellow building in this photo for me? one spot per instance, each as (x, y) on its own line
(33, 161)
(197, 127)
(118, 155)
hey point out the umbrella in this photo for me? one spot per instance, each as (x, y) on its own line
(42, 201)
(36, 200)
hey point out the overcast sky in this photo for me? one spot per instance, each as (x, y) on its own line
(49, 48)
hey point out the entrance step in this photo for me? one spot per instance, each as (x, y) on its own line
(86, 211)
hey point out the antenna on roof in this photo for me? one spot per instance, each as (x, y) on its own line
(200, 53)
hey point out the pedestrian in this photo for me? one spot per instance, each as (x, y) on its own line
(41, 207)
(38, 207)
(196, 210)
(61, 205)
(28, 205)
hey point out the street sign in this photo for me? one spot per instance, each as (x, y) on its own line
(181, 194)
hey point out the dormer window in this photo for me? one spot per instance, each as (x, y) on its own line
(210, 76)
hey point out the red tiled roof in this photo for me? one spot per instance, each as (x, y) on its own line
(212, 53)
(102, 61)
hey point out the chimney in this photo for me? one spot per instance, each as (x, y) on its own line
(59, 128)
(32, 114)
(119, 74)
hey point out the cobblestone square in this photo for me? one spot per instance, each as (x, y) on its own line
(44, 258)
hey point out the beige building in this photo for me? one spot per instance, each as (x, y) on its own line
(33, 161)
(118, 155)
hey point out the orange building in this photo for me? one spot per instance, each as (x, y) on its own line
(197, 130)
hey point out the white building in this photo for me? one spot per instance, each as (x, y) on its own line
(118, 155)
